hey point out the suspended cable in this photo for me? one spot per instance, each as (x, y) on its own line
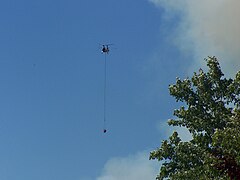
(105, 94)
(105, 50)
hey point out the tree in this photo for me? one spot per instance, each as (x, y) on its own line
(211, 113)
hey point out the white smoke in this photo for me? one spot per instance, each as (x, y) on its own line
(207, 28)
(134, 167)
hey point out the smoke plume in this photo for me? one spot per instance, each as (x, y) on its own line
(207, 28)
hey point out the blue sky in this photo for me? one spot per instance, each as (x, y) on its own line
(51, 76)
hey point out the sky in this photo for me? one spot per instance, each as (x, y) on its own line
(52, 81)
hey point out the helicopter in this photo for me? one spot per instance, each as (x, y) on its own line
(105, 48)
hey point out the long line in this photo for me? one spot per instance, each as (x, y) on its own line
(105, 92)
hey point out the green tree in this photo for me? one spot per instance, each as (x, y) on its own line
(211, 113)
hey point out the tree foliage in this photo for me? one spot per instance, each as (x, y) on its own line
(211, 113)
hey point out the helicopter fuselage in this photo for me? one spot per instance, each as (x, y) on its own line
(105, 49)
